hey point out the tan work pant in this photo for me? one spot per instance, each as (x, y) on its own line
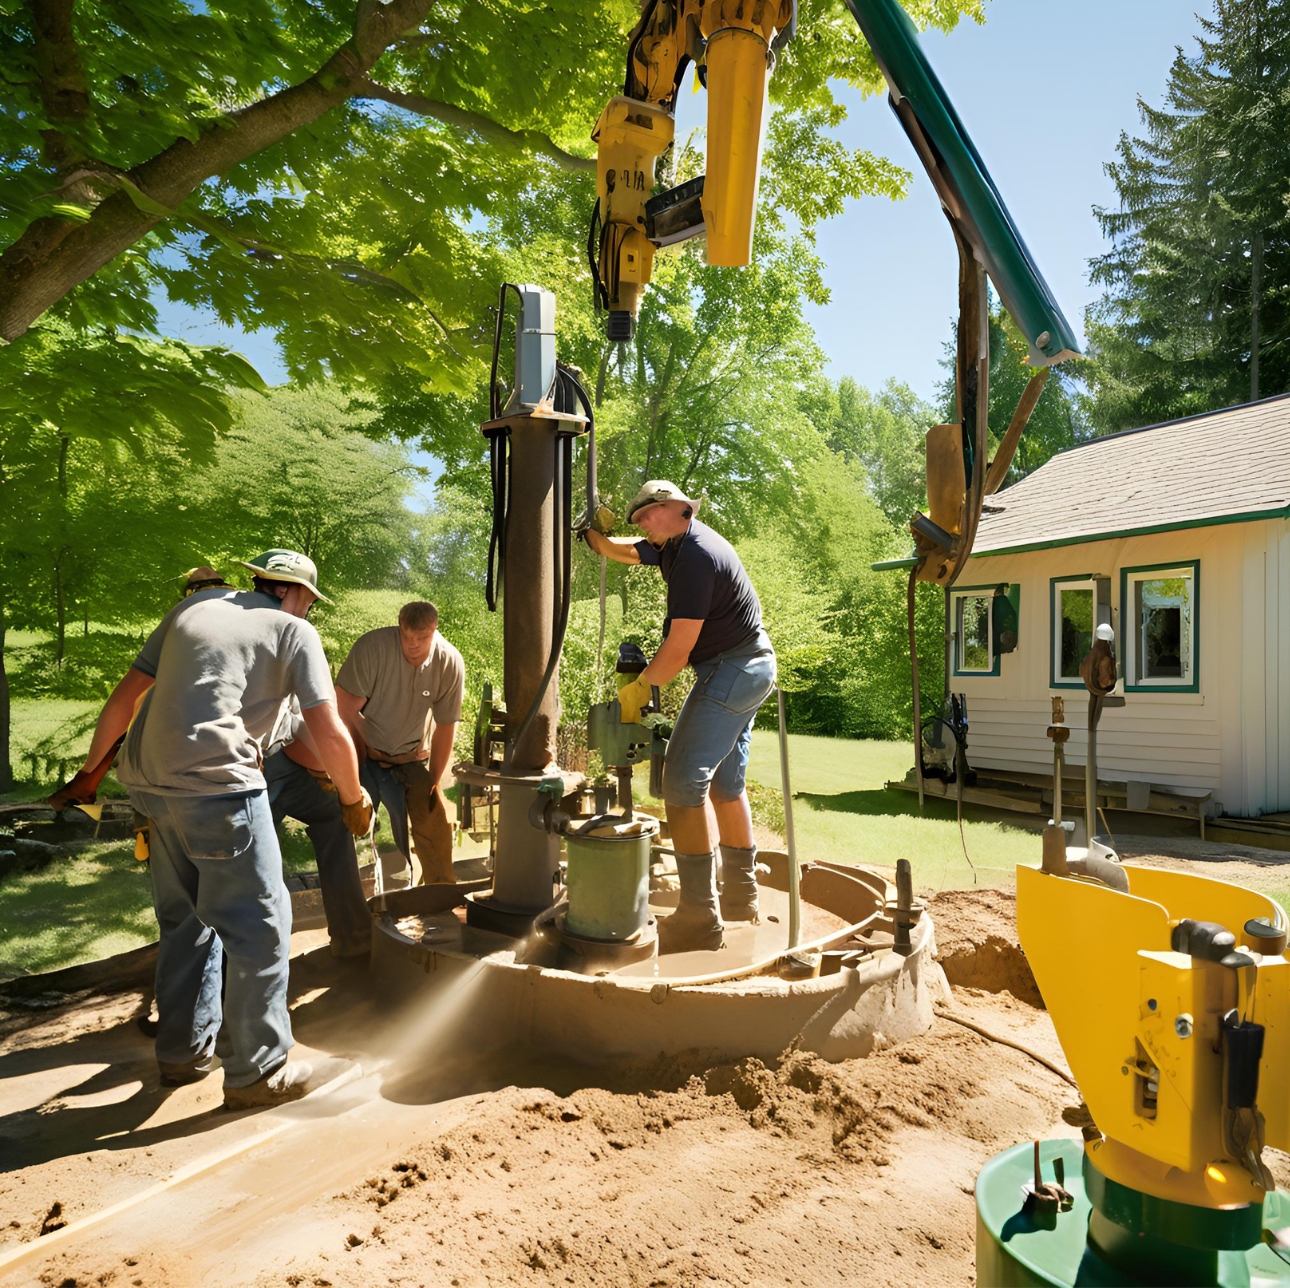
(429, 825)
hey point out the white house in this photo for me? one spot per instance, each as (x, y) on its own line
(1179, 536)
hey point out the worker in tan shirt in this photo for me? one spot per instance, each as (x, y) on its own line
(400, 693)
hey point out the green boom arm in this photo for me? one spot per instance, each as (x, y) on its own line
(962, 182)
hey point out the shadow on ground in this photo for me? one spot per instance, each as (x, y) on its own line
(879, 802)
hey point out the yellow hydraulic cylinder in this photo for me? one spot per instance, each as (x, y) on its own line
(739, 62)
(631, 136)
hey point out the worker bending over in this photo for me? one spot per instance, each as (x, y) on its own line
(714, 625)
(300, 788)
(214, 677)
(400, 693)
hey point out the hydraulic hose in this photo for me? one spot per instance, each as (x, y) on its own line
(499, 462)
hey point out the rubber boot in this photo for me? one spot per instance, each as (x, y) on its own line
(696, 924)
(739, 884)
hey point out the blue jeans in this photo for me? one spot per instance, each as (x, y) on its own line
(218, 891)
(295, 793)
(708, 750)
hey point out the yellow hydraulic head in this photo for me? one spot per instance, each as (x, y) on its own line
(732, 42)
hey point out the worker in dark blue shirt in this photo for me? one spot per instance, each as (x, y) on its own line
(714, 625)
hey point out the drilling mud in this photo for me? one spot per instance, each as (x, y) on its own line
(433, 1168)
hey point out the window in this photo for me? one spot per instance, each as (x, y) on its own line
(1159, 616)
(973, 634)
(984, 623)
(1080, 604)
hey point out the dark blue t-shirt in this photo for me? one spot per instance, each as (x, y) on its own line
(706, 581)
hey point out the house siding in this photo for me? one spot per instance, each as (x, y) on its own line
(1231, 738)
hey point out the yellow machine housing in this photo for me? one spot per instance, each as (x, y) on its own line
(1142, 1026)
(731, 41)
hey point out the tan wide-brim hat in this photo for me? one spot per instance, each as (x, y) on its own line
(657, 490)
(286, 565)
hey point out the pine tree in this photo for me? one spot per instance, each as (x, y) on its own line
(1196, 310)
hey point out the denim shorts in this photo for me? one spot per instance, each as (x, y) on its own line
(708, 750)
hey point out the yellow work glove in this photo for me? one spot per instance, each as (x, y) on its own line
(357, 815)
(633, 696)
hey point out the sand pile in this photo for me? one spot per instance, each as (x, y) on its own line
(976, 942)
(800, 1173)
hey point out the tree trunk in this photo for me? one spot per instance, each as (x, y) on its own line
(6, 765)
(60, 598)
(1256, 289)
(60, 609)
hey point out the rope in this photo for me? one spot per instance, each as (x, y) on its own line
(1008, 1042)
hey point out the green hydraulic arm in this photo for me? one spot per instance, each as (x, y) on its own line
(958, 474)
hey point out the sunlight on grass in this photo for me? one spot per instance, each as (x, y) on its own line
(75, 910)
(842, 813)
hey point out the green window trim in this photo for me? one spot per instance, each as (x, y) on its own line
(1099, 585)
(1127, 648)
(992, 593)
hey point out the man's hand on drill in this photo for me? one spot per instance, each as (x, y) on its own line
(632, 697)
(357, 815)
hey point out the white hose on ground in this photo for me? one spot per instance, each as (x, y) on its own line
(794, 871)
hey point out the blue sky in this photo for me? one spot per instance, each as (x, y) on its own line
(1044, 87)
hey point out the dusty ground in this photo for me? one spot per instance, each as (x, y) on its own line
(425, 1169)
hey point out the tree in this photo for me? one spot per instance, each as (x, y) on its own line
(315, 170)
(81, 411)
(1196, 309)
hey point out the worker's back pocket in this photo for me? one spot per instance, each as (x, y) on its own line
(213, 827)
(741, 685)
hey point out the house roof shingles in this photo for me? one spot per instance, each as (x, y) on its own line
(1219, 467)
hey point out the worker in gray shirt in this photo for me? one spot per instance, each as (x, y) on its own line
(400, 692)
(209, 687)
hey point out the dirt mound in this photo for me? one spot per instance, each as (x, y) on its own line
(976, 942)
(752, 1173)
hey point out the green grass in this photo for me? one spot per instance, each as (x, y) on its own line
(75, 910)
(842, 813)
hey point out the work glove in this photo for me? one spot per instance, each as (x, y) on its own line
(322, 778)
(358, 815)
(80, 789)
(633, 696)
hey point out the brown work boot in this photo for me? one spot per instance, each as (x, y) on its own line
(739, 884)
(695, 926)
(180, 1075)
(289, 1081)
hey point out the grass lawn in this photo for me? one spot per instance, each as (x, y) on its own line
(841, 812)
(75, 910)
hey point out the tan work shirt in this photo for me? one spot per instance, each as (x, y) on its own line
(404, 702)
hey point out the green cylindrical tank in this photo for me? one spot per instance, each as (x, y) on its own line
(607, 881)
(1016, 1250)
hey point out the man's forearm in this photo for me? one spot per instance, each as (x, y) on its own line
(674, 655)
(441, 742)
(620, 549)
(116, 715)
(335, 749)
(667, 664)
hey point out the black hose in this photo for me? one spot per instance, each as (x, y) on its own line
(593, 486)
(499, 462)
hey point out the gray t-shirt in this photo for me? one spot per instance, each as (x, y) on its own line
(401, 698)
(225, 664)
